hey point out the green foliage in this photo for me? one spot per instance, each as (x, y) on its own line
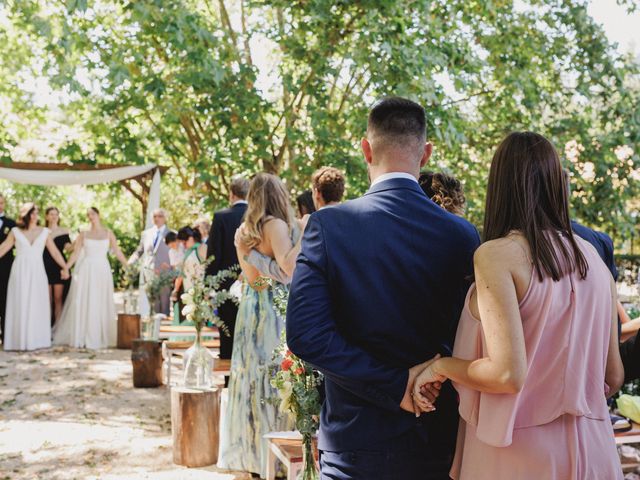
(217, 88)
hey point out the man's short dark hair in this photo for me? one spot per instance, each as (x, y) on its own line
(240, 187)
(397, 120)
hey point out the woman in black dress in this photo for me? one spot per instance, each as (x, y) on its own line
(58, 288)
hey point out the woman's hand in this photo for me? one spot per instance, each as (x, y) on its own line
(428, 379)
(242, 248)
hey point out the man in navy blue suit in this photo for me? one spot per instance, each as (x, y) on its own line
(377, 293)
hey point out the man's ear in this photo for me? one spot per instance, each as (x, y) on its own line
(366, 150)
(428, 150)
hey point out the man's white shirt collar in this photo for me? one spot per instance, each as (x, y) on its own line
(393, 175)
(239, 202)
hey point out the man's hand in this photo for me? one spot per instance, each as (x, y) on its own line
(423, 388)
(408, 404)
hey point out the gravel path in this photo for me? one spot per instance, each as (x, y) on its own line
(74, 414)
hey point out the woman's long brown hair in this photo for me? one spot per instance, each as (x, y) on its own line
(527, 192)
(268, 197)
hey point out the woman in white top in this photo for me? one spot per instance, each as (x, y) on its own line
(28, 324)
(88, 315)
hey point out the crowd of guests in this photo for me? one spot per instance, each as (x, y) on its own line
(382, 303)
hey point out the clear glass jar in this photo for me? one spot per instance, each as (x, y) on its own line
(198, 365)
(150, 326)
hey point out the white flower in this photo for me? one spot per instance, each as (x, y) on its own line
(188, 309)
(187, 298)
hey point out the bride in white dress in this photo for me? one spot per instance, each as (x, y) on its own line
(88, 316)
(28, 317)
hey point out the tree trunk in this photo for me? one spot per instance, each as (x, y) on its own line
(195, 426)
(128, 329)
(146, 357)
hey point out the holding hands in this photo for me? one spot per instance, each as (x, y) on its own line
(64, 274)
(423, 388)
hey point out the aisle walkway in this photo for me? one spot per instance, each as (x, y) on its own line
(68, 414)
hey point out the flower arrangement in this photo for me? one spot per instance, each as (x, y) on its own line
(202, 300)
(297, 383)
(157, 281)
(130, 275)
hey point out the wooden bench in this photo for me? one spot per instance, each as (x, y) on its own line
(632, 436)
(171, 331)
(286, 447)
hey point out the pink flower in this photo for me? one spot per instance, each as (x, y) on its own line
(299, 371)
(286, 364)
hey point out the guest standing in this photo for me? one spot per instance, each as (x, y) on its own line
(538, 338)
(376, 277)
(305, 204)
(153, 254)
(203, 225)
(57, 286)
(194, 255)
(28, 321)
(221, 248)
(269, 226)
(89, 313)
(445, 190)
(327, 187)
(6, 225)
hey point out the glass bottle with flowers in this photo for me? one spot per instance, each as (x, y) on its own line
(156, 281)
(201, 304)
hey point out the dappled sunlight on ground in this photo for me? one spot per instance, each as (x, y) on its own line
(68, 414)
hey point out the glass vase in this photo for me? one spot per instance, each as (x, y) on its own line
(309, 468)
(198, 365)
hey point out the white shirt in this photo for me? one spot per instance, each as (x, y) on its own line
(240, 202)
(393, 175)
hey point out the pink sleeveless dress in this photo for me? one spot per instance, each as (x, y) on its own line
(557, 427)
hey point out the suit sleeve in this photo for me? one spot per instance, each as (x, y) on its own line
(215, 245)
(139, 250)
(609, 259)
(313, 335)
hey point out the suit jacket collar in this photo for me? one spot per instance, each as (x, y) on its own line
(395, 184)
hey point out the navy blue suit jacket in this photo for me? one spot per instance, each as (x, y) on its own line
(378, 288)
(601, 242)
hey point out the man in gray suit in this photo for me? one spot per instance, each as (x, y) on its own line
(153, 254)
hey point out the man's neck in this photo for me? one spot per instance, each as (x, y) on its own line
(374, 173)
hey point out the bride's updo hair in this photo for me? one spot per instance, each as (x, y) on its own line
(268, 197)
(25, 215)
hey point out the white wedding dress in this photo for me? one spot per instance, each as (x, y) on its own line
(28, 315)
(88, 315)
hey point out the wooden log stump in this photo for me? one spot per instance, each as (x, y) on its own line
(128, 329)
(195, 426)
(146, 357)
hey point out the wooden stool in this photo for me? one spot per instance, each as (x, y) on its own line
(128, 329)
(195, 426)
(288, 448)
(146, 357)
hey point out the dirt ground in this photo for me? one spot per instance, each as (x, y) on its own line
(74, 414)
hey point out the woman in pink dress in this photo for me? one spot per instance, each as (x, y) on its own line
(537, 344)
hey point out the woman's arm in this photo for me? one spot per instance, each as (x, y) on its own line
(8, 244)
(77, 248)
(614, 372)
(57, 256)
(504, 369)
(116, 249)
(69, 245)
(277, 234)
(629, 327)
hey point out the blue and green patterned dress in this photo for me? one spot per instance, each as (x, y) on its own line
(252, 409)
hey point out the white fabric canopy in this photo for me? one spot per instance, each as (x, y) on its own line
(88, 177)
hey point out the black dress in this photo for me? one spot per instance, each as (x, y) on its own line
(50, 265)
